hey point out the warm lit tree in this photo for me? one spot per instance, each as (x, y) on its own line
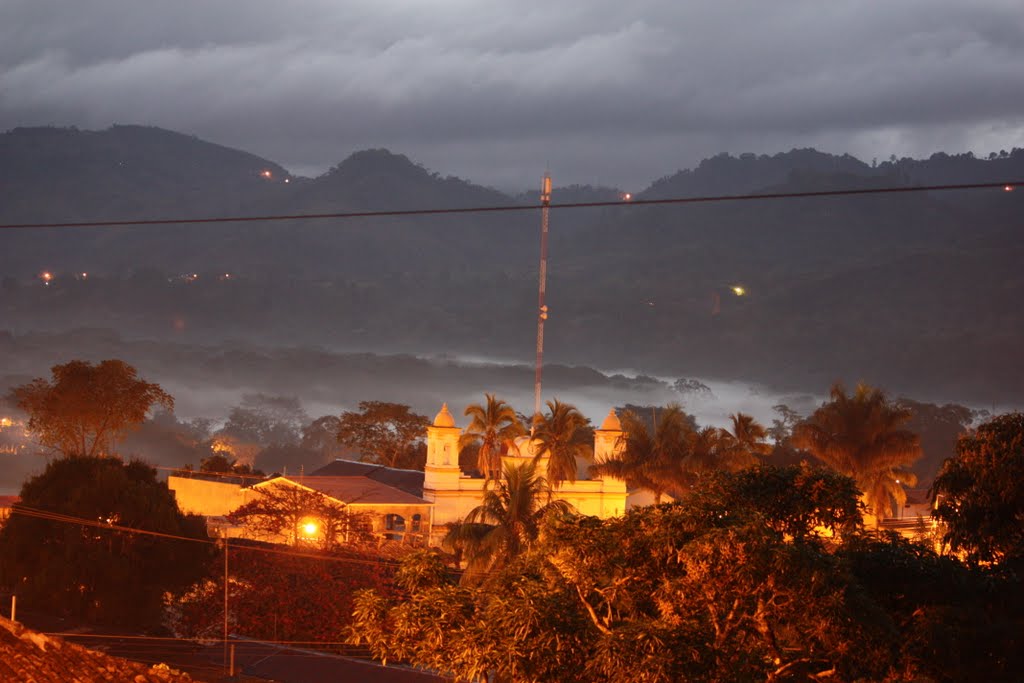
(387, 433)
(563, 435)
(507, 520)
(861, 435)
(979, 493)
(301, 515)
(493, 428)
(656, 460)
(86, 409)
(744, 444)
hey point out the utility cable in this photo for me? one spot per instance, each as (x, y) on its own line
(1003, 185)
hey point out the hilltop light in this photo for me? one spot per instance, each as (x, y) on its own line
(1007, 188)
(46, 276)
(627, 196)
(266, 173)
(738, 290)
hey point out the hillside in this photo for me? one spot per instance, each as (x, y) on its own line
(917, 292)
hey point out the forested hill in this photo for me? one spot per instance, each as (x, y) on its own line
(918, 292)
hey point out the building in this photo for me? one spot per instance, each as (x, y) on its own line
(411, 506)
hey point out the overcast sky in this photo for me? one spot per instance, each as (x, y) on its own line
(601, 92)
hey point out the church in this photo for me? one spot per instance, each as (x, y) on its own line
(410, 506)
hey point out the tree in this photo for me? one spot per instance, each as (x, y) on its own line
(745, 444)
(507, 520)
(86, 409)
(653, 461)
(301, 515)
(563, 435)
(861, 436)
(278, 595)
(97, 570)
(979, 493)
(663, 593)
(386, 433)
(494, 426)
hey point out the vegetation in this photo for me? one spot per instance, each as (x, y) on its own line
(563, 435)
(493, 429)
(979, 493)
(733, 582)
(862, 436)
(86, 409)
(302, 516)
(507, 521)
(92, 570)
(386, 433)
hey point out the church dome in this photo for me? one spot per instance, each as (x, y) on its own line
(611, 423)
(444, 418)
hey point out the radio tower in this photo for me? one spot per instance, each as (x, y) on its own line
(542, 309)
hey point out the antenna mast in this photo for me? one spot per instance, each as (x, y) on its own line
(542, 309)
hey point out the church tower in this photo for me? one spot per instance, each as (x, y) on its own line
(442, 470)
(608, 445)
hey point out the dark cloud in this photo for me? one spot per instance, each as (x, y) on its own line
(598, 91)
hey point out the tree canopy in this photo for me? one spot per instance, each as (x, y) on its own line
(563, 435)
(93, 571)
(86, 409)
(979, 493)
(731, 583)
(861, 435)
(386, 433)
(494, 426)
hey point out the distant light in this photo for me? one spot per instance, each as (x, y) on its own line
(83, 276)
(266, 173)
(1007, 188)
(5, 422)
(46, 276)
(287, 180)
(309, 528)
(627, 196)
(738, 290)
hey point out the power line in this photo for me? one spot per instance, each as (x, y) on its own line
(1003, 185)
(25, 511)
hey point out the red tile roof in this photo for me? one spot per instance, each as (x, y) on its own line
(26, 655)
(353, 490)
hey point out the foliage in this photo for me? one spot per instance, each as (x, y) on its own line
(507, 521)
(100, 574)
(861, 436)
(652, 460)
(282, 508)
(86, 409)
(745, 444)
(266, 420)
(980, 493)
(222, 463)
(563, 434)
(279, 595)
(939, 427)
(494, 427)
(728, 584)
(386, 433)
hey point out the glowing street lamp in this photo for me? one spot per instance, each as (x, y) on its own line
(738, 290)
(309, 528)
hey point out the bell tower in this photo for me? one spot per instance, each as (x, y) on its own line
(442, 470)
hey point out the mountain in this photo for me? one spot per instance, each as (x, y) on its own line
(913, 291)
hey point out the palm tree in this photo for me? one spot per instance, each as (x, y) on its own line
(508, 519)
(563, 435)
(860, 436)
(653, 461)
(741, 447)
(703, 452)
(494, 426)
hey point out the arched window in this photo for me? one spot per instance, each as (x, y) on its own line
(393, 522)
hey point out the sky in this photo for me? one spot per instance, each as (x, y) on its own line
(497, 91)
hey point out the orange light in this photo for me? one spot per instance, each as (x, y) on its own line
(266, 173)
(627, 196)
(1007, 188)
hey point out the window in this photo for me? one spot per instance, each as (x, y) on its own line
(393, 522)
(416, 523)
